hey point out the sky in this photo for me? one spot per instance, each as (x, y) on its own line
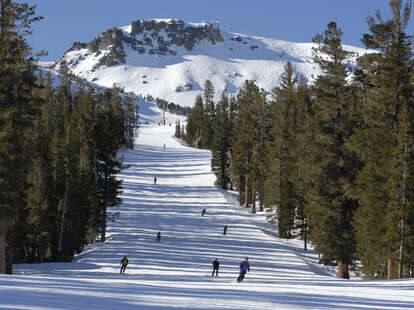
(66, 22)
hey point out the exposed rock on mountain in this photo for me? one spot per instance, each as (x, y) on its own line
(171, 59)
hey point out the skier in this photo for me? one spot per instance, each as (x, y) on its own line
(225, 230)
(159, 236)
(164, 146)
(203, 212)
(216, 265)
(124, 263)
(155, 180)
(244, 267)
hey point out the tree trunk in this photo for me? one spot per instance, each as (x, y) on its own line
(343, 270)
(3, 245)
(340, 270)
(401, 250)
(261, 195)
(104, 211)
(246, 192)
(305, 235)
(103, 224)
(63, 215)
(402, 214)
(389, 268)
(253, 200)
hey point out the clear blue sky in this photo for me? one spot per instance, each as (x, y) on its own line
(67, 21)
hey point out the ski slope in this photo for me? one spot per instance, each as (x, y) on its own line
(176, 273)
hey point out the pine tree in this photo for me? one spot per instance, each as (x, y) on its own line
(248, 146)
(17, 67)
(209, 115)
(281, 150)
(193, 134)
(302, 178)
(178, 129)
(36, 225)
(330, 215)
(220, 162)
(384, 143)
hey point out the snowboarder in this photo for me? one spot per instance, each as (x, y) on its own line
(244, 267)
(203, 212)
(216, 265)
(159, 236)
(225, 230)
(124, 264)
(155, 180)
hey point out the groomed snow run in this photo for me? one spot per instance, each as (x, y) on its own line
(176, 273)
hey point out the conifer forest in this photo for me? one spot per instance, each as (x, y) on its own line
(58, 151)
(333, 161)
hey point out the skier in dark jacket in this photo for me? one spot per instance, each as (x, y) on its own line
(155, 180)
(216, 265)
(225, 230)
(124, 263)
(159, 236)
(203, 212)
(244, 267)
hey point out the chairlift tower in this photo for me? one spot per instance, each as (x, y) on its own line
(216, 24)
(163, 113)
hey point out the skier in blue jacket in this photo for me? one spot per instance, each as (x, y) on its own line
(244, 267)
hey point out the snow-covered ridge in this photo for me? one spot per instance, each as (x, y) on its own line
(171, 59)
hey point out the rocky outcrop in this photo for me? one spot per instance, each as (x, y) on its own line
(147, 36)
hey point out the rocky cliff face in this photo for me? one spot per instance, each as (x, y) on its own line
(154, 37)
(171, 59)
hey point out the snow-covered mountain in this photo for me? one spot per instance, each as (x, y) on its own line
(171, 59)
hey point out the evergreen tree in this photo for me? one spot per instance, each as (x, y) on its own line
(384, 143)
(195, 120)
(330, 215)
(207, 130)
(247, 155)
(178, 129)
(220, 162)
(281, 150)
(303, 176)
(17, 109)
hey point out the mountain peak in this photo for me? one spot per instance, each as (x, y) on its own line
(171, 59)
(147, 36)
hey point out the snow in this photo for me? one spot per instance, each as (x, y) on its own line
(176, 273)
(227, 64)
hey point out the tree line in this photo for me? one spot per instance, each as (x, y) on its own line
(58, 151)
(331, 161)
(169, 106)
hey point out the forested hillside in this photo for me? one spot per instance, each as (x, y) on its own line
(333, 160)
(58, 152)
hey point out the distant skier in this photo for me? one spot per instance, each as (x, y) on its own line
(203, 212)
(216, 265)
(155, 180)
(124, 264)
(164, 146)
(225, 230)
(244, 267)
(159, 236)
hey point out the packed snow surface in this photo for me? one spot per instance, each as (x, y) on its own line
(176, 272)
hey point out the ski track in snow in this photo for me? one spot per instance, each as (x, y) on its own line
(176, 273)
